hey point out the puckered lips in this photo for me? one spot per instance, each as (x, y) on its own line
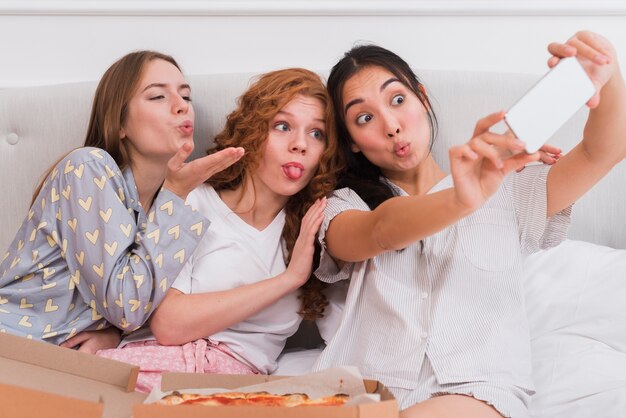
(293, 170)
(401, 149)
(186, 127)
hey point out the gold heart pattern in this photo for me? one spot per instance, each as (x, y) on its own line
(159, 260)
(85, 204)
(106, 215)
(72, 223)
(66, 192)
(100, 182)
(138, 278)
(126, 229)
(110, 249)
(86, 219)
(110, 172)
(79, 171)
(175, 231)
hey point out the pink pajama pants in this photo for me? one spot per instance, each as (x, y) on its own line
(200, 356)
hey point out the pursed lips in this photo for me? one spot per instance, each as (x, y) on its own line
(401, 149)
(186, 127)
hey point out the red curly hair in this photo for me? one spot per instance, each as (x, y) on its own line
(248, 127)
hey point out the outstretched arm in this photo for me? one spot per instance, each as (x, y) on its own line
(478, 168)
(604, 141)
(181, 317)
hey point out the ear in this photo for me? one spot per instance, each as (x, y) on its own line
(122, 133)
(354, 147)
(422, 89)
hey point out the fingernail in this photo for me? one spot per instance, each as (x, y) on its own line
(602, 59)
(570, 49)
(519, 144)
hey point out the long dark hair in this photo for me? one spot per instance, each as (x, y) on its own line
(360, 174)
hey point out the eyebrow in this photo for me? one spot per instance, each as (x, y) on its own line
(357, 101)
(181, 87)
(292, 115)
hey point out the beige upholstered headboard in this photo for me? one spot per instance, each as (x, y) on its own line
(39, 124)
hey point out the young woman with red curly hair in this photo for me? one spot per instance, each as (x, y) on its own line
(237, 300)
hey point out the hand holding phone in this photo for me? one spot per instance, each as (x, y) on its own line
(551, 102)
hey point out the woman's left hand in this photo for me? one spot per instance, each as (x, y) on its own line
(594, 52)
(299, 268)
(548, 154)
(92, 341)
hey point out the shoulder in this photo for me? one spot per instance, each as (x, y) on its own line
(347, 197)
(90, 154)
(86, 168)
(96, 158)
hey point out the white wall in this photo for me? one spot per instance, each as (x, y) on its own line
(46, 42)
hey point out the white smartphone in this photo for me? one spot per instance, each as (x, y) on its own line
(551, 102)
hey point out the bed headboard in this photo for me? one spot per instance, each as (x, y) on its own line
(39, 124)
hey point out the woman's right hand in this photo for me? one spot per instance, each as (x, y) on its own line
(299, 269)
(183, 177)
(479, 166)
(93, 341)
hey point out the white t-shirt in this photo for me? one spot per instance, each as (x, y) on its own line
(232, 254)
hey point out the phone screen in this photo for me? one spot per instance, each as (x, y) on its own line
(551, 102)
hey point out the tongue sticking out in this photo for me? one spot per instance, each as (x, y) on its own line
(293, 172)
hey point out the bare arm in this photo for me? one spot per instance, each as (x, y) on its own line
(478, 169)
(356, 235)
(181, 318)
(604, 140)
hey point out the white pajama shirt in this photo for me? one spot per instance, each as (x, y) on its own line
(454, 299)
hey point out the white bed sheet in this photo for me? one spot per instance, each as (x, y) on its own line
(576, 304)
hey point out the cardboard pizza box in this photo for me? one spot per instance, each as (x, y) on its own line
(20, 402)
(39, 366)
(386, 408)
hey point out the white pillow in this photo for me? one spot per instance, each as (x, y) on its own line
(576, 304)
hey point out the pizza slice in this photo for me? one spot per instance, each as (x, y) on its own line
(251, 399)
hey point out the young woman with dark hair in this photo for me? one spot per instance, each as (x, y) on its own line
(435, 306)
